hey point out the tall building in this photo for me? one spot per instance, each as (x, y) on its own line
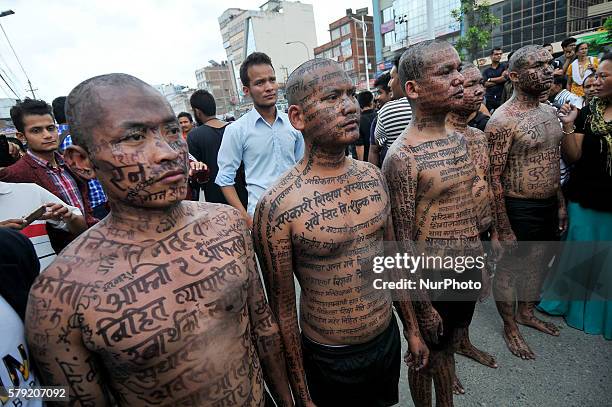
(346, 46)
(268, 30)
(177, 95)
(400, 23)
(526, 22)
(218, 80)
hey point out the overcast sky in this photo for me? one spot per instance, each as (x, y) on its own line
(61, 43)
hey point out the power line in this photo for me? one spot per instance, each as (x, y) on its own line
(10, 75)
(9, 86)
(18, 61)
(7, 76)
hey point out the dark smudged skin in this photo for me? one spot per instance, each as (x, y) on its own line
(161, 302)
(323, 222)
(163, 320)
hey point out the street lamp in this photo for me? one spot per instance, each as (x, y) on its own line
(7, 13)
(364, 31)
(300, 42)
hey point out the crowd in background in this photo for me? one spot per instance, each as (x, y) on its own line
(50, 198)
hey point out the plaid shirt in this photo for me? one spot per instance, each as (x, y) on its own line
(97, 196)
(64, 181)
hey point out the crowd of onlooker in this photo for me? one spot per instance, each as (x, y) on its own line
(49, 199)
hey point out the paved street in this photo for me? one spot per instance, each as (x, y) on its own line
(574, 369)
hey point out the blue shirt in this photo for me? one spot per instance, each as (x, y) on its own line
(266, 150)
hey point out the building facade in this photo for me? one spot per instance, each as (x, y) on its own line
(177, 95)
(526, 22)
(218, 80)
(400, 23)
(346, 47)
(268, 30)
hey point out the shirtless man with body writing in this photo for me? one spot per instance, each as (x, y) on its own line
(430, 176)
(160, 303)
(324, 221)
(478, 149)
(524, 137)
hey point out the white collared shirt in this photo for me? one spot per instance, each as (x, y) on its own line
(18, 201)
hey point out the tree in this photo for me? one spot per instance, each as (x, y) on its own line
(599, 45)
(479, 22)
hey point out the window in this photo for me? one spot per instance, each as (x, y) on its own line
(345, 30)
(345, 48)
(387, 14)
(516, 5)
(549, 17)
(348, 65)
(527, 4)
(560, 28)
(527, 33)
(549, 29)
(537, 32)
(527, 12)
(388, 39)
(335, 34)
(507, 7)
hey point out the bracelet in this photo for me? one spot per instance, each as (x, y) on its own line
(570, 132)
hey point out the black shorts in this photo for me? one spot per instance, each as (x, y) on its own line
(355, 375)
(534, 219)
(456, 308)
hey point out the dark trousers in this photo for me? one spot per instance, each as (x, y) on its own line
(364, 375)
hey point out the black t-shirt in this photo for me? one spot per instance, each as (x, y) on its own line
(479, 121)
(19, 267)
(365, 123)
(590, 182)
(494, 92)
(204, 143)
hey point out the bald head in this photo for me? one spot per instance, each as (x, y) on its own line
(525, 56)
(308, 77)
(418, 57)
(84, 110)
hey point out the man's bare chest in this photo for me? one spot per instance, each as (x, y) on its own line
(335, 218)
(148, 303)
(534, 134)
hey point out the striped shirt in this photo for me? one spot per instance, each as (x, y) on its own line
(393, 118)
(64, 182)
(565, 96)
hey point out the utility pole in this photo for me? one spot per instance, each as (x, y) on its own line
(31, 90)
(364, 31)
